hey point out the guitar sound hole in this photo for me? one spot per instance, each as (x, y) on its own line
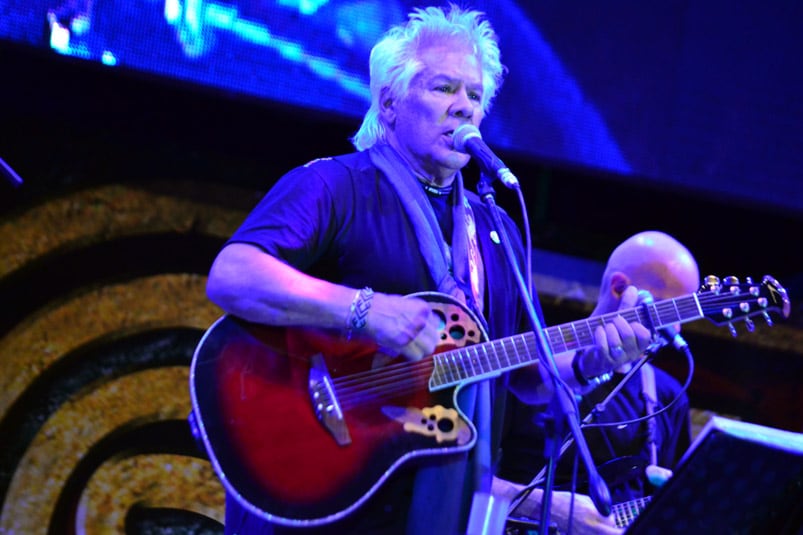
(456, 332)
(429, 423)
(445, 425)
(441, 318)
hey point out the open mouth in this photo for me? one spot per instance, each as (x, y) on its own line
(449, 136)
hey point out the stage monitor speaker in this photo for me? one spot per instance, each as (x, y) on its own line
(736, 478)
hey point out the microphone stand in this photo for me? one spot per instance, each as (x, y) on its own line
(600, 407)
(561, 400)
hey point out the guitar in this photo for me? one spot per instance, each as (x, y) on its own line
(523, 520)
(620, 471)
(302, 431)
(624, 514)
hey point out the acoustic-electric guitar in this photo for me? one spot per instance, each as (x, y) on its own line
(302, 430)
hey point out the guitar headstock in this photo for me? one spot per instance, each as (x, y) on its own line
(728, 300)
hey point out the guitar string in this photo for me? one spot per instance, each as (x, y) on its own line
(482, 361)
(386, 385)
(375, 382)
(627, 512)
(393, 368)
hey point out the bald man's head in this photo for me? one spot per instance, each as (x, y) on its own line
(652, 261)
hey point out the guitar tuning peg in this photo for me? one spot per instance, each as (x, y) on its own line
(748, 280)
(750, 325)
(731, 281)
(767, 318)
(732, 330)
(711, 282)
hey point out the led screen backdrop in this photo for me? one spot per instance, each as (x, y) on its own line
(703, 96)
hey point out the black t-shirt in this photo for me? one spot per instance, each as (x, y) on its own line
(340, 220)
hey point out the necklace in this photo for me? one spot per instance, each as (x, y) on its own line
(440, 191)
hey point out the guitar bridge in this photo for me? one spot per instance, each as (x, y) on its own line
(324, 401)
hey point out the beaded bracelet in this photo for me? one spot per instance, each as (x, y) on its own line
(358, 312)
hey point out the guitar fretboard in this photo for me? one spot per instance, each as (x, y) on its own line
(490, 358)
(625, 513)
(577, 334)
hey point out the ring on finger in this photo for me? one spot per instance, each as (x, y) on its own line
(617, 352)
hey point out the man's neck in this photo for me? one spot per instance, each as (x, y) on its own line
(420, 174)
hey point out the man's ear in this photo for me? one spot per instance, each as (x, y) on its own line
(387, 107)
(619, 283)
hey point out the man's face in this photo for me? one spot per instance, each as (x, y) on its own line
(444, 95)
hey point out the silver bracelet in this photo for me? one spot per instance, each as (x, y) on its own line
(358, 312)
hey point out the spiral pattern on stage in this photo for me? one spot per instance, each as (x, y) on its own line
(104, 302)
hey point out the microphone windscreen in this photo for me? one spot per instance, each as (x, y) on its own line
(462, 134)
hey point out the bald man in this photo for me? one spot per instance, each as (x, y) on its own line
(652, 261)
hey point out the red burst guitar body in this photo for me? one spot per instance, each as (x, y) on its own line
(303, 427)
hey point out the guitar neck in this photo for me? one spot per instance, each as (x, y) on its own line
(625, 513)
(578, 334)
(488, 359)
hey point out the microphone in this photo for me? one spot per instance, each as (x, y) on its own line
(669, 335)
(468, 140)
(672, 336)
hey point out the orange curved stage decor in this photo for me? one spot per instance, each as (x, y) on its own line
(105, 302)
